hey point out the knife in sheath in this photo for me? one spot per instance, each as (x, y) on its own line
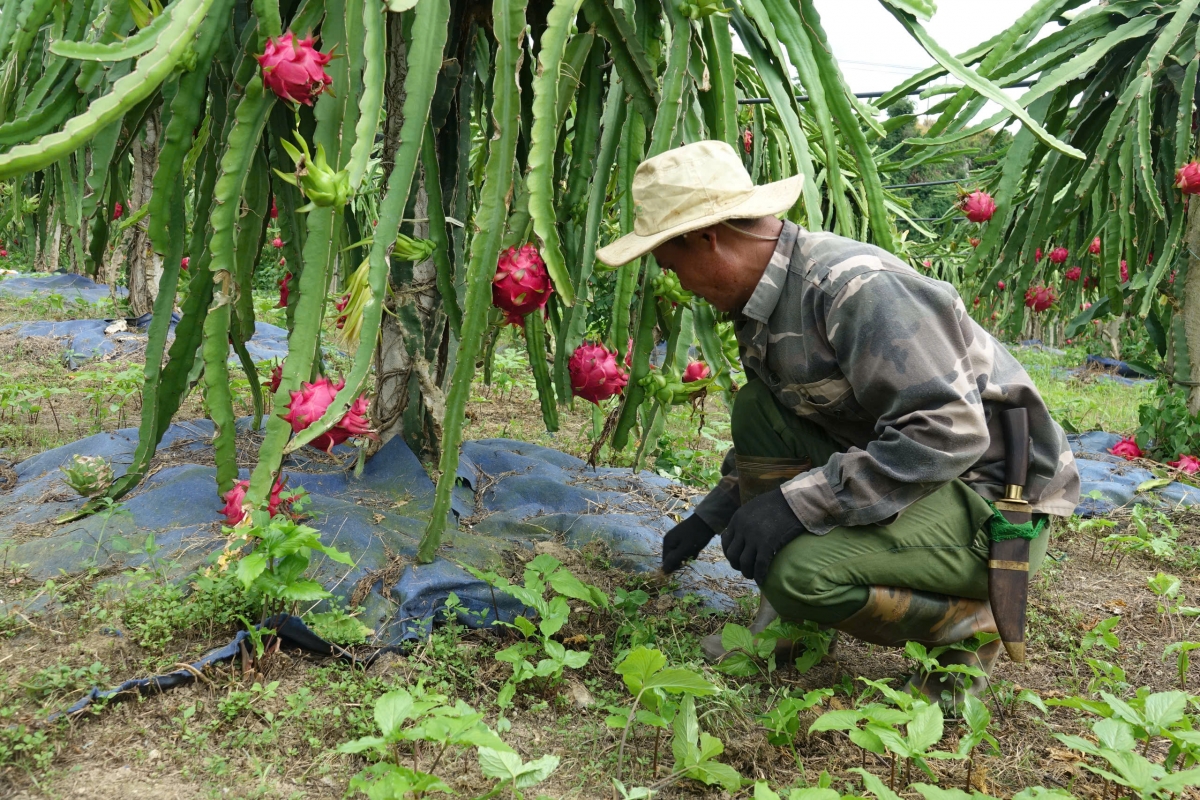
(1008, 560)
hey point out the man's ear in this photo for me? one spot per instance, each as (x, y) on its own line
(709, 237)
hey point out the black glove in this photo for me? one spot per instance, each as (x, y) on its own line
(684, 542)
(757, 532)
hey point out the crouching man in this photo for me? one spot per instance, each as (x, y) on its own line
(867, 448)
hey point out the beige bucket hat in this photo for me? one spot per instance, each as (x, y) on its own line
(692, 187)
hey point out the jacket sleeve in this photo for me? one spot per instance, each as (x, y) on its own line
(902, 343)
(719, 505)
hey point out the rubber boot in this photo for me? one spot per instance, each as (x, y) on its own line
(759, 475)
(893, 617)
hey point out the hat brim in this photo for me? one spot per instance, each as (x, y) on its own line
(766, 201)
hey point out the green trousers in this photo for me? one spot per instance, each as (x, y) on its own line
(938, 544)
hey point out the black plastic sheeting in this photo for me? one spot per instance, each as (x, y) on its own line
(292, 633)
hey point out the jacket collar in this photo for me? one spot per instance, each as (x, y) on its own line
(766, 295)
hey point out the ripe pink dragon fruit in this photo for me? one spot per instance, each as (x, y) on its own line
(595, 375)
(975, 241)
(522, 283)
(1037, 255)
(118, 210)
(748, 141)
(3, 253)
(1039, 298)
(1000, 285)
(1089, 282)
(277, 243)
(284, 290)
(276, 378)
(1073, 274)
(309, 404)
(1094, 247)
(1188, 464)
(294, 70)
(1084, 306)
(978, 206)
(1058, 255)
(1124, 272)
(976, 303)
(235, 497)
(1187, 178)
(1127, 449)
(183, 263)
(696, 371)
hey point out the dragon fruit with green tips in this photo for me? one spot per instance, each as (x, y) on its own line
(309, 403)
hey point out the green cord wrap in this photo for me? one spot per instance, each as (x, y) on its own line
(1002, 530)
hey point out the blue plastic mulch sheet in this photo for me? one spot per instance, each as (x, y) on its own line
(1116, 480)
(511, 495)
(72, 288)
(87, 339)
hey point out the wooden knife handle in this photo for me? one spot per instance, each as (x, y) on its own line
(1015, 422)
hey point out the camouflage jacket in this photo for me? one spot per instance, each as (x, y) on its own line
(890, 364)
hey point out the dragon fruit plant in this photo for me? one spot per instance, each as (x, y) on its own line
(595, 374)
(284, 290)
(88, 475)
(294, 69)
(1127, 449)
(1058, 255)
(978, 206)
(1073, 274)
(309, 403)
(324, 186)
(522, 282)
(1094, 247)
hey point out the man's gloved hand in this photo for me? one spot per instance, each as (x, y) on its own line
(684, 542)
(757, 532)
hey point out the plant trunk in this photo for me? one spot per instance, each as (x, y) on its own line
(413, 349)
(1191, 306)
(145, 266)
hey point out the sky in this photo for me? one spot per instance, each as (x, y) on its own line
(876, 53)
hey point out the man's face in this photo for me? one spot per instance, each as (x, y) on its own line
(703, 268)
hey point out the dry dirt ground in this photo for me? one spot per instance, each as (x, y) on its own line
(222, 737)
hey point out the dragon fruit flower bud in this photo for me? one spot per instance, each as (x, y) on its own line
(88, 475)
(1058, 255)
(294, 69)
(1073, 274)
(978, 206)
(1188, 464)
(284, 290)
(595, 375)
(1127, 449)
(323, 186)
(696, 371)
(1094, 247)
(975, 241)
(1039, 298)
(276, 378)
(522, 282)
(1187, 178)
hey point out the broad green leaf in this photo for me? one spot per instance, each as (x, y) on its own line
(304, 591)
(537, 771)
(712, 773)
(875, 786)
(1152, 484)
(499, 764)
(391, 710)
(925, 729)
(365, 743)
(1114, 734)
(737, 637)
(681, 681)
(250, 567)
(639, 665)
(839, 720)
